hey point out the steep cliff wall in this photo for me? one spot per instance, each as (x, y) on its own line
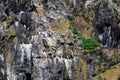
(59, 39)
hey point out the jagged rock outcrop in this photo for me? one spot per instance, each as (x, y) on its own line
(37, 41)
(105, 18)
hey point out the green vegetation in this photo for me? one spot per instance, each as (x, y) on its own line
(114, 1)
(77, 10)
(112, 62)
(64, 55)
(99, 61)
(80, 10)
(74, 31)
(95, 1)
(104, 79)
(0, 36)
(88, 45)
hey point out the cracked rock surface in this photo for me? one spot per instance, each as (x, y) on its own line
(37, 40)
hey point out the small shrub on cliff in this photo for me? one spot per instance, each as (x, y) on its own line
(89, 45)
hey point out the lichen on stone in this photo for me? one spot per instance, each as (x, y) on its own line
(9, 20)
(90, 15)
(11, 31)
(81, 69)
(62, 27)
(111, 74)
(40, 8)
(15, 40)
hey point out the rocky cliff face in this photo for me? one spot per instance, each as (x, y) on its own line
(59, 40)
